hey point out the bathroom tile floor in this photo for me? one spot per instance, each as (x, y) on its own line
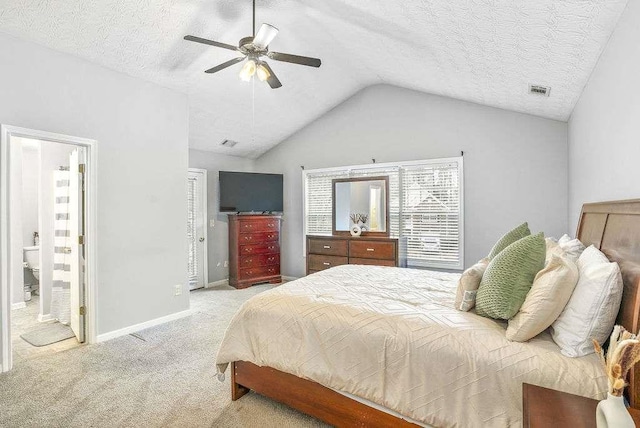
(26, 319)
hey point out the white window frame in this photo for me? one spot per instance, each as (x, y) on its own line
(459, 160)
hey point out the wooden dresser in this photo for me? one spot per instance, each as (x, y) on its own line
(324, 252)
(254, 249)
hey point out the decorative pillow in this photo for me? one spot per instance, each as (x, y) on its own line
(468, 285)
(509, 238)
(593, 306)
(553, 248)
(551, 290)
(572, 248)
(509, 277)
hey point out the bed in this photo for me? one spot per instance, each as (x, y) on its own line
(378, 346)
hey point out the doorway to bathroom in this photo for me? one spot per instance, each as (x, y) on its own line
(48, 242)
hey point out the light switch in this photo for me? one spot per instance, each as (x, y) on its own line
(212, 222)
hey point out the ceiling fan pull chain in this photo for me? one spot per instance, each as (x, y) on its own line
(254, 19)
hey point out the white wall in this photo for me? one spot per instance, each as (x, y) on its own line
(30, 195)
(218, 236)
(16, 278)
(142, 134)
(515, 164)
(604, 135)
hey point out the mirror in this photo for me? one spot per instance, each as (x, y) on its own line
(361, 201)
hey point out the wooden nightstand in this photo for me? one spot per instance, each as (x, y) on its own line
(544, 407)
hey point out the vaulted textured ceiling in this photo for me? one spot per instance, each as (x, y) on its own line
(484, 51)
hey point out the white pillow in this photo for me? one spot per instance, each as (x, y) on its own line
(593, 306)
(572, 248)
(549, 294)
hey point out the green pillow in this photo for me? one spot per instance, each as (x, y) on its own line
(509, 277)
(508, 239)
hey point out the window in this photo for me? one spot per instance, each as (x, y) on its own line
(425, 207)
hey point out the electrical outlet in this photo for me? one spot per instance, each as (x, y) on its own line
(212, 222)
(226, 263)
(178, 290)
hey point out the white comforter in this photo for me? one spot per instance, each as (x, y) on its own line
(392, 336)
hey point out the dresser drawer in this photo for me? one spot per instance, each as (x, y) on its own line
(268, 248)
(380, 250)
(331, 247)
(259, 237)
(259, 260)
(321, 262)
(261, 225)
(375, 262)
(259, 272)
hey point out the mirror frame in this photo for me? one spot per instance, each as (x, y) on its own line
(335, 232)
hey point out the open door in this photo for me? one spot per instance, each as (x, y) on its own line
(76, 229)
(196, 228)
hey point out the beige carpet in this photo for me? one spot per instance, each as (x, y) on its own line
(165, 377)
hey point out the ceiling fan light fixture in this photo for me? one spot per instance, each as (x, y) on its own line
(248, 70)
(265, 35)
(262, 72)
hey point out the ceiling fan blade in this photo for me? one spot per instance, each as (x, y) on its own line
(272, 80)
(265, 35)
(224, 65)
(295, 59)
(210, 43)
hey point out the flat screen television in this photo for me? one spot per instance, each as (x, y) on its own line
(250, 192)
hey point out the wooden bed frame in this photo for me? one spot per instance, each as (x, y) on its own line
(613, 227)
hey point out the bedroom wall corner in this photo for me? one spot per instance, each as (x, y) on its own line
(515, 164)
(142, 131)
(604, 137)
(218, 236)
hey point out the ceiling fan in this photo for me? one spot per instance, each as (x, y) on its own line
(253, 49)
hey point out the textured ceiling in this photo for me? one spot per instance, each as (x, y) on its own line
(484, 51)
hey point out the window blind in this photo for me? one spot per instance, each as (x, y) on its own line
(431, 214)
(318, 201)
(425, 207)
(192, 208)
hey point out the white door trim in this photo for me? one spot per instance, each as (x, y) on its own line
(205, 199)
(91, 231)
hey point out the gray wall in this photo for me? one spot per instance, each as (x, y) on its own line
(604, 130)
(218, 236)
(142, 130)
(515, 164)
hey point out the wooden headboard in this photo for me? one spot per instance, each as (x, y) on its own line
(614, 228)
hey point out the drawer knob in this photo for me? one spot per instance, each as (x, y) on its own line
(326, 264)
(270, 224)
(271, 248)
(370, 249)
(327, 246)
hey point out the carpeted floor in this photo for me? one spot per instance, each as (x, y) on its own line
(164, 377)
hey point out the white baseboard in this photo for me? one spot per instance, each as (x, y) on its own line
(45, 317)
(142, 326)
(18, 305)
(217, 283)
(289, 278)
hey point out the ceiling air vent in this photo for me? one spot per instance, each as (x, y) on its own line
(539, 90)
(228, 143)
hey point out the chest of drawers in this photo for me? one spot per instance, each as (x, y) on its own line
(254, 249)
(324, 252)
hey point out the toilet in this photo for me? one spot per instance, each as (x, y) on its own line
(32, 260)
